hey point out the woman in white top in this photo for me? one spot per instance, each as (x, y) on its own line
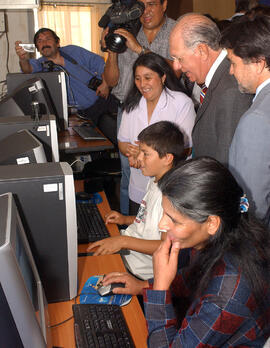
(155, 96)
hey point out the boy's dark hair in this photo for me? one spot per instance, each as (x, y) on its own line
(164, 137)
(43, 30)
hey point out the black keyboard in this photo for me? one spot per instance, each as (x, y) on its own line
(100, 326)
(88, 133)
(91, 226)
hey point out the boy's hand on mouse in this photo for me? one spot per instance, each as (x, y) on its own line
(133, 286)
(107, 246)
(113, 217)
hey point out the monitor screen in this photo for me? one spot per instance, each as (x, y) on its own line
(22, 300)
(55, 84)
(21, 147)
(45, 130)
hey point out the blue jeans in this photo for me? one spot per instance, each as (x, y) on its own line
(124, 183)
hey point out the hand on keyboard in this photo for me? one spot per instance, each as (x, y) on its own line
(113, 217)
(107, 246)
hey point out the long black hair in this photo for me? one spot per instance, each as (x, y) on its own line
(159, 65)
(203, 187)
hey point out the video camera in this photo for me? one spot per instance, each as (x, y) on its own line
(122, 14)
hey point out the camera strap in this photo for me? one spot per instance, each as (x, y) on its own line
(73, 61)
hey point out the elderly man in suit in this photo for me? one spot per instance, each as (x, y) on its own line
(194, 45)
(249, 157)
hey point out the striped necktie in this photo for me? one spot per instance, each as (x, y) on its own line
(203, 92)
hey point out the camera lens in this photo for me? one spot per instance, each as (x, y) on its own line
(115, 42)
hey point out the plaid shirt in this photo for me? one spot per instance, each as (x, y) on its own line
(225, 315)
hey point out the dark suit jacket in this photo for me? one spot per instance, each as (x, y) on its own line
(218, 115)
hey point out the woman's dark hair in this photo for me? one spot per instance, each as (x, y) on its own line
(202, 187)
(252, 41)
(43, 30)
(159, 65)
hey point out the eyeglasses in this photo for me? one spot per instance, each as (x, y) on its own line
(151, 5)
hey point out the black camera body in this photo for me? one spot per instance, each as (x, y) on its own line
(122, 14)
(94, 83)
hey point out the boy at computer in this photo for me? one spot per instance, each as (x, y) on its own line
(161, 147)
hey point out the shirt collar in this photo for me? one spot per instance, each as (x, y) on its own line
(214, 67)
(260, 87)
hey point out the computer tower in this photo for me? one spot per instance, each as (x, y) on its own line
(45, 130)
(45, 198)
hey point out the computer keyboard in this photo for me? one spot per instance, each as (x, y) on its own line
(100, 326)
(91, 226)
(88, 133)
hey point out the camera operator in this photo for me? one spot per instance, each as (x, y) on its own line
(86, 87)
(152, 36)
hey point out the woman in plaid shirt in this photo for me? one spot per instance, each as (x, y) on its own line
(211, 275)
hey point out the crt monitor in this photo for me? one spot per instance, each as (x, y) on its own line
(24, 317)
(45, 198)
(21, 147)
(44, 129)
(28, 98)
(55, 84)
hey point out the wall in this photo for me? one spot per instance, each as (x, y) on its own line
(19, 26)
(219, 9)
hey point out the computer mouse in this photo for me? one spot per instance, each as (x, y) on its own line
(107, 290)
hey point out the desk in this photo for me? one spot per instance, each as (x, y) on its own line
(63, 335)
(70, 142)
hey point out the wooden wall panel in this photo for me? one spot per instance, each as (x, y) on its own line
(176, 8)
(220, 9)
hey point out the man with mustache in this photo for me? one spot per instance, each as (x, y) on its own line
(80, 65)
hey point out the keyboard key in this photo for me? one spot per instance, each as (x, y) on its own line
(91, 226)
(101, 326)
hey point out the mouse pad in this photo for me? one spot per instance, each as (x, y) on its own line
(89, 293)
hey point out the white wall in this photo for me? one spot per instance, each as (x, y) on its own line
(19, 26)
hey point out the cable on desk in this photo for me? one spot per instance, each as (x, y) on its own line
(69, 318)
(77, 160)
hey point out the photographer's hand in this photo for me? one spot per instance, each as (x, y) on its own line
(131, 42)
(103, 89)
(102, 39)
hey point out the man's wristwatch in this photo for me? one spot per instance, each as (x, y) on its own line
(143, 51)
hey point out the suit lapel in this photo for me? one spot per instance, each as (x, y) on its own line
(223, 67)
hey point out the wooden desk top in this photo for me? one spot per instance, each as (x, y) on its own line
(70, 142)
(63, 335)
